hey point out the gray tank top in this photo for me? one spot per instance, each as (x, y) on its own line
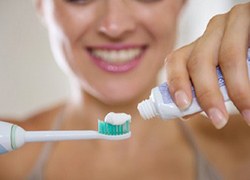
(204, 170)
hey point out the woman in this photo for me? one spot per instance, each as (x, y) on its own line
(113, 50)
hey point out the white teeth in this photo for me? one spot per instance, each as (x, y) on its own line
(117, 55)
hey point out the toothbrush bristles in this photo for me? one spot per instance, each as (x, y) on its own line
(110, 129)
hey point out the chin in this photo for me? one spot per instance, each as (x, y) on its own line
(119, 98)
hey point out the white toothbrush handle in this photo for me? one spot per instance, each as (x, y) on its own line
(13, 137)
(45, 136)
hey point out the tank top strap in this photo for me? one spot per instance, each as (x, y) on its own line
(204, 170)
(37, 171)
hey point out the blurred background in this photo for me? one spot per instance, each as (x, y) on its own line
(29, 77)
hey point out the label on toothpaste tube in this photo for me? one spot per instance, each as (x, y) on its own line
(248, 56)
(248, 62)
(167, 99)
(221, 80)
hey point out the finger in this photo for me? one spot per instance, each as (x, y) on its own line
(178, 77)
(202, 68)
(232, 58)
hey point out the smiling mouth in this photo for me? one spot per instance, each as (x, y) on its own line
(117, 56)
(117, 59)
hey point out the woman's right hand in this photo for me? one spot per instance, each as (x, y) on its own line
(224, 43)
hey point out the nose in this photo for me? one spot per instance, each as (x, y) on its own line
(117, 19)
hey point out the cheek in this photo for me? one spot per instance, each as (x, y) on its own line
(164, 36)
(164, 31)
(161, 27)
(161, 21)
(67, 26)
(74, 21)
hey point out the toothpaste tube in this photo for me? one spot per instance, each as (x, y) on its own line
(161, 104)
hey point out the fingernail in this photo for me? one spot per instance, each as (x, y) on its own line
(246, 115)
(181, 99)
(184, 119)
(217, 117)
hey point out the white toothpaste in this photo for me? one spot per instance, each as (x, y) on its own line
(117, 118)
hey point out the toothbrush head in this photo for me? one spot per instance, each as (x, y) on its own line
(115, 124)
(110, 129)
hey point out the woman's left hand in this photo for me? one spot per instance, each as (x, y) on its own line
(224, 43)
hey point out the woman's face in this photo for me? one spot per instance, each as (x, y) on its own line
(113, 48)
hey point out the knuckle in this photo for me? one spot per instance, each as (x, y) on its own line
(174, 83)
(178, 55)
(172, 62)
(228, 58)
(241, 102)
(237, 9)
(216, 25)
(205, 97)
(170, 59)
(195, 62)
(215, 20)
(173, 57)
(174, 80)
(239, 94)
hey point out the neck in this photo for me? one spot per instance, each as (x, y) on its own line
(83, 110)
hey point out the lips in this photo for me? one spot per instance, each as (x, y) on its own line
(116, 59)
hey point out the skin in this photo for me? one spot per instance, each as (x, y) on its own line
(156, 149)
(221, 45)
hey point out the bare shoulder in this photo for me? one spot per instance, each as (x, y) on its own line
(20, 162)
